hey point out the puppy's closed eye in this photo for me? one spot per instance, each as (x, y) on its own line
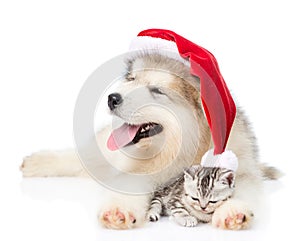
(130, 78)
(156, 90)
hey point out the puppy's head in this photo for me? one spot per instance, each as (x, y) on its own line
(159, 105)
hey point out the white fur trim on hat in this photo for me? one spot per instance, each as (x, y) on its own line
(165, 47)
(226, 160)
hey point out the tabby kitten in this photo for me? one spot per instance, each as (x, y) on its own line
(193, 196)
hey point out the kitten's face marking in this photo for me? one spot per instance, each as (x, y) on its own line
(208, 188)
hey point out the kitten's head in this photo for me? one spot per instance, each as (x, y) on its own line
(206, 188)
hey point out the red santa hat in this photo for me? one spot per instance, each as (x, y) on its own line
(217, 102)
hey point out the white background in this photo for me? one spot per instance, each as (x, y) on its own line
(47, 51)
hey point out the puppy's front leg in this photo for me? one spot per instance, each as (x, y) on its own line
(52, 164)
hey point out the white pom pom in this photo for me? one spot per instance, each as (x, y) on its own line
(226, 160)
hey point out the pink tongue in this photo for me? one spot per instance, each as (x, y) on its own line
(121, 136)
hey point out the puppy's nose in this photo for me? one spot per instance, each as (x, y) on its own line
(114, 100)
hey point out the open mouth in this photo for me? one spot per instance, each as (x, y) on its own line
(131, 134)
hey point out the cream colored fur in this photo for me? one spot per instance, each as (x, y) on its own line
(122, 211)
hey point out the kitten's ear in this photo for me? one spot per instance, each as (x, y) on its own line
(228, 178)
(187, 176)
(191, 172)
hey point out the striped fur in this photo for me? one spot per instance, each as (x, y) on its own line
(193, 196)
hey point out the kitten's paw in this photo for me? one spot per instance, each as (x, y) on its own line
(187, 221)
(153, 216)
(232, 215)
(118, 219)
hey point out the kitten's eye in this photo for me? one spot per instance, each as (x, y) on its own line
(156, 91)
(195, 199)
(213, 201)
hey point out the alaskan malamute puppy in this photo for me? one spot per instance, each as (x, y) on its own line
(162, 139)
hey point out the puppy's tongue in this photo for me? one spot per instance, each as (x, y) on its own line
(122, 136)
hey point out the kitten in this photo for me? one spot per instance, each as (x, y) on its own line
(193, 196)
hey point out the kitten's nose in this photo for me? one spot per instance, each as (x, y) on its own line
(114, 100)
(203, 208)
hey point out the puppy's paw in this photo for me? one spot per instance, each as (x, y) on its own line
(186, 221)
(117, 218)
(232, 215)
(52, 164)
(39, 164)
